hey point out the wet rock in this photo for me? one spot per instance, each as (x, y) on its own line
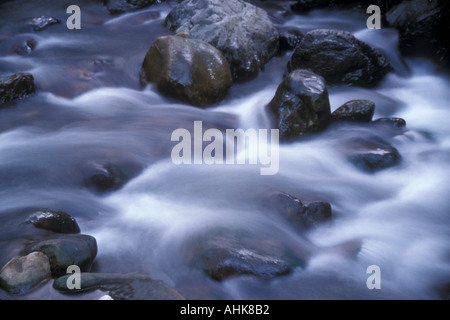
(187, 69)
(56, 221)
(423, 29)
(67, 250)
(340, 58)
(40, 23)
(21, 274)
(130, 286)
(105, 177)
(300, 105)
(304, 214)
(16, 86)
(290, 39)
(225, 253)
(390, 123)
(25, 47)
(122, 6)
(372, 155)
(243, 32)
(355, 110)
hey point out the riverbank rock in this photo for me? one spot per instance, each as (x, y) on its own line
(21, 274)
(372, 155)
(16, 86)
(300, 105)
(354, 111)
(187, 69)
(225, 253)
(131, 286)
(340, 58)
(423, 29)
(56, 221)
(67, 250)
(305, 214)
(243, 32)
(122, 6)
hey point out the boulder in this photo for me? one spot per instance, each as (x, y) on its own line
(243, 32)
(16, 86)
(67, 250)
(340, 58)
(56, 221)
(300, 105)
(355, 110)
(187, 69)
(372, 155)
(224, 253)
(304, 214)
(423, 29)
(122, 6)
(130, 286)
(21, 274)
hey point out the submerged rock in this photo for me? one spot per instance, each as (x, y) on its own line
(340, 58)
(305, 214)
(130, 286)
(67, 250)
(225, 253)
(56, 221)
(187, 69)
(122, 6)
(355, 110)
(21, 274)
(16, 86)
(105, 177)
(40, 23)
(300, 105)
(243, 32)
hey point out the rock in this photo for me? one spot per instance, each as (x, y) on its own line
(290, 39)
(16, 86)
(304, 214)
(188, 69)
(56, 221)
(105, 177)
(122, 6)
(243, 32)
(372, 155)
(25, 47)
(390, 123)
(67, 250)
(130, 286)
(21, 274)
(340, 58)
(300, 104)
(355, 110)
(225, 253)
(423, 29)
(43, 22)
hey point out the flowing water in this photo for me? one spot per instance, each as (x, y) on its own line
(90, 108)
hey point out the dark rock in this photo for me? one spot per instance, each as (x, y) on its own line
(21, 274)
(188, 69)
(372, 155)
(340, 58)
(225, 253)
(122, 6)
(423, 29)
(355, 110)
(241, 31)
(122, 286)
(305, 214)
(16, 86)
(56, 221)
(290, 39)
(67, 250)
(43, 22)
(301, 104)
(25, 47)
(397, 123)
(103, 178)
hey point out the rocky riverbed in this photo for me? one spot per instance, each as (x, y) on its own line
(87, 176)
